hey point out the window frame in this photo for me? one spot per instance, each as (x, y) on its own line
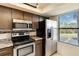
(77, 18)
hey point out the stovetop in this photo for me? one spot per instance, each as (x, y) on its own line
(21, 40)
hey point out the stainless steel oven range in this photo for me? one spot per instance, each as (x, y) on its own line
(23, 44)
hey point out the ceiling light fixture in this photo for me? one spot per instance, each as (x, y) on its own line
(34, 5)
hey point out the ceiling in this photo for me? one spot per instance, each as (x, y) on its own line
(44, 9)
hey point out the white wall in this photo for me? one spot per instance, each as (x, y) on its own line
(67, 49)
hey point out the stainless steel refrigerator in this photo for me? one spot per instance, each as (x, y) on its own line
(51, 37)
(48, 31)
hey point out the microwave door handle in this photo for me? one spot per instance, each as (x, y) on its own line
(28, 26)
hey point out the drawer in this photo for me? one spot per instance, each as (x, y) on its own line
(6, 51)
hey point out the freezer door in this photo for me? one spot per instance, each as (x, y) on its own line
(51, 46)
(48, 47)
(53, 40)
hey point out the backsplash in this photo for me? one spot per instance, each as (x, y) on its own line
(5, 36)
(32, 33)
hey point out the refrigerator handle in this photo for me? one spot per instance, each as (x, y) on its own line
(52, 33)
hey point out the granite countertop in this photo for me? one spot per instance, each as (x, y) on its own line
(37, 38)
(5, 43)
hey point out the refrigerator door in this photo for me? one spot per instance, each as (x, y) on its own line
(48, 47)
(54, 41)
(48, 38)
(51, 37)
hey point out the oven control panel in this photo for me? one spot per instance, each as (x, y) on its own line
(19, 34)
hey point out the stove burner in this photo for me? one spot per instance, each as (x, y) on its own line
(20, 40)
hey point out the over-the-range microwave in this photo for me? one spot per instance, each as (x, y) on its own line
(21, 24)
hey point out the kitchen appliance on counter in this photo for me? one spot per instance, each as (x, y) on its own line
(22, 24)
(23, 44)
(48, 31)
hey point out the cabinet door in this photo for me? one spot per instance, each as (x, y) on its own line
(5, 18)
(16, 14)
(35, 22)
(38, 51)
(28, 16)
(8, 51)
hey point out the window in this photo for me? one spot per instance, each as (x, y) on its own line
(68, 29)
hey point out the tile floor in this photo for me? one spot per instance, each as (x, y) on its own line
(56, 54)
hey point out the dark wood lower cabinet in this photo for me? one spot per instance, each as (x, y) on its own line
(8, 51)
(38, 48)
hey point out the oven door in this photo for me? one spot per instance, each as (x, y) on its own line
(25, 50)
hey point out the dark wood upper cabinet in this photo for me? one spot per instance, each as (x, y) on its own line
(35, 21)
(28, 16)
(5, 18)
(17, 14)
(7, 14)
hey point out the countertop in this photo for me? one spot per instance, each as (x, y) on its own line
(37, 38)
(5, 43)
